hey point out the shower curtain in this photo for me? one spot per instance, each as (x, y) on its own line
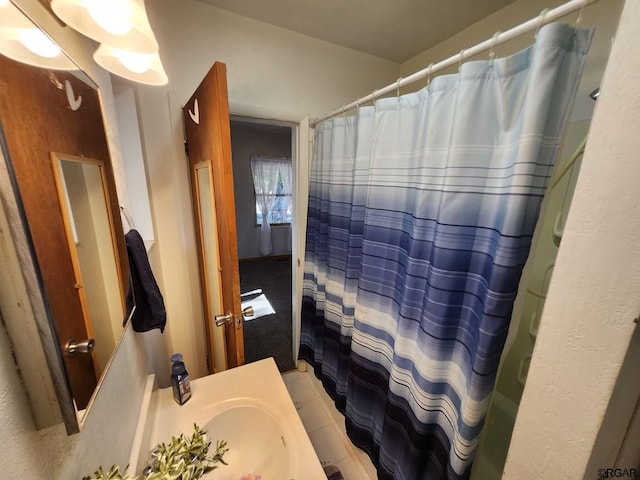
(421, 214)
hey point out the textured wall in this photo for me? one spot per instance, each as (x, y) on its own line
(106, 435)
(23, 455)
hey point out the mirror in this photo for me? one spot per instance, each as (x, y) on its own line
(58, 191)
(84, 198)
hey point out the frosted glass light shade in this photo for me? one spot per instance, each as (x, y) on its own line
(141, 68)
(23, 42)
(123, 24)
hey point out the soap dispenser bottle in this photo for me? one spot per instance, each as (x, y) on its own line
(179, 379)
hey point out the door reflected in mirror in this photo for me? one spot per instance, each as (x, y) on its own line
(84, 200)
(209, 252)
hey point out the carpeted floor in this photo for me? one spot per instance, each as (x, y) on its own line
(269, 336)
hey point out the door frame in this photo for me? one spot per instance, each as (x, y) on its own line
(300, 155)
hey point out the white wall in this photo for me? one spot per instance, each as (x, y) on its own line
(138, 214)
(272, 73)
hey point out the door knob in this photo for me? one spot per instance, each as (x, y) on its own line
(85, 346)
(222, 319)
(228, 317)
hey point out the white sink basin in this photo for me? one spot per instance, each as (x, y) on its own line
(260, 449)
(249, 408)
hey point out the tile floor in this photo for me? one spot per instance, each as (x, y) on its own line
(325, 426)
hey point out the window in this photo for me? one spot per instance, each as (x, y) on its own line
(273, 190)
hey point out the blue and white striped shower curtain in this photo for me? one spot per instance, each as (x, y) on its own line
(421, 214)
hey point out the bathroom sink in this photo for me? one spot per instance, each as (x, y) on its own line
(260, 449)
(250, 408)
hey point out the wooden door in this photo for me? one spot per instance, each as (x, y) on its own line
(208, 144)
(42, 112)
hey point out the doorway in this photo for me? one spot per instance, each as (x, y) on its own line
(265, 279)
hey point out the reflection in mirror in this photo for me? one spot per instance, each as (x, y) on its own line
(45, 110)
(209, 249)
(21, 40)
(83, 196)
(25, 313)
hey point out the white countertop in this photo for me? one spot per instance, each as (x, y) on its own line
(259, 382)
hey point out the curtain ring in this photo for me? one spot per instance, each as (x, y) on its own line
(541, 18)
(461, 58)
(579, 18)
(494, 41)
(429, 72)
(398, 91)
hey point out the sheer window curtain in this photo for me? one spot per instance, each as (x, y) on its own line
(266, 172)
(421, 213)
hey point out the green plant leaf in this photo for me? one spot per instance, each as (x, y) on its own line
(184, 458)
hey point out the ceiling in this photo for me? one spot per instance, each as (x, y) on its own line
(393, 29)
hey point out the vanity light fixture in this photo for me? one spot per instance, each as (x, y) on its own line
(20, 40)
(122, 24)
(128, 47)
(138, 67)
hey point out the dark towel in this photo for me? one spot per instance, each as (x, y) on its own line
(332, 473)
(143, 288)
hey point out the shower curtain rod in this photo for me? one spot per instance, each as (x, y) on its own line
(546, 16)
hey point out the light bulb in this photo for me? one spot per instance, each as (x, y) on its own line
(145, 68)
(114, 16)
(135, 62)
(37, 42)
